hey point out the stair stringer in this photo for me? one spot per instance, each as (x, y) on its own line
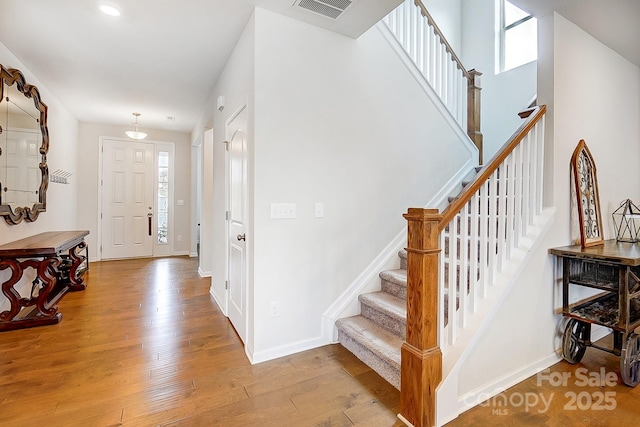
(368, 280)
(449, 403)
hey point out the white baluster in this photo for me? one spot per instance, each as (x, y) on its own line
(420, 47)
(501, 216)
(443, 337)
(493, 226)
(474, 241)
(540, 128)
(464, 265)
(484, 238)
(517, 154)
(528, 184)
(511, 194)
(451, 282)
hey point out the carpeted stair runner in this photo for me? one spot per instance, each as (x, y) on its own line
(376, 335)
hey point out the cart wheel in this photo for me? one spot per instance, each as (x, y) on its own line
(574, 343)
(630, 360)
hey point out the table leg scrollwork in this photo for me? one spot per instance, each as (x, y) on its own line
(45, 310)
(8, 290)
(77, 260)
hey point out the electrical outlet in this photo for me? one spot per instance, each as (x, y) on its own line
(275, 309)
(179, 237)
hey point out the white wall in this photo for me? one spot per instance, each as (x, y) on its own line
(206, 207)
(503, 95)
(592, 94)
(88, 185)
(340, 122)
(196, 194)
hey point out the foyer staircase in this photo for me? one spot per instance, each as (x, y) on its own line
(485, 235)
(473, 246)
(376, 335)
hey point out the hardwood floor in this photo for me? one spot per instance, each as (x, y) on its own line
(145, 345)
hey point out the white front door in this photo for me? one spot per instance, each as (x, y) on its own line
(127, 199)
(236, 131)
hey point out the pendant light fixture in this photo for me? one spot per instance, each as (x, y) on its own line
(136, 133)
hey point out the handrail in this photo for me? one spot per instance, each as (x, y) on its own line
(443, 40)
(533, 115)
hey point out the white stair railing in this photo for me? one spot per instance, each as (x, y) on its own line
(485, 224)
(424, 43)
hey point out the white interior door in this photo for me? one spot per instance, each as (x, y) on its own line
(127, 199)
(237, 238)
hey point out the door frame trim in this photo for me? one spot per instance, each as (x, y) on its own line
(156, 144)
(244, 106)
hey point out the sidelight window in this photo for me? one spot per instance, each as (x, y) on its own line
(163, 197)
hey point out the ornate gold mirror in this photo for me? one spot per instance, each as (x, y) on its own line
(24, 143)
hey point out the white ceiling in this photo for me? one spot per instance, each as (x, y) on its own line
(162, 57)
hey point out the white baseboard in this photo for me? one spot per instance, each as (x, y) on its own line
(489, 390)
(180, 253)
(285, 350)
(204, 273)
(479, 395)
(218, 302)
(193, 254)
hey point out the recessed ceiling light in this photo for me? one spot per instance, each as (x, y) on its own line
(108, 8)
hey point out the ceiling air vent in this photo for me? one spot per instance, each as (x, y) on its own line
(329, 8)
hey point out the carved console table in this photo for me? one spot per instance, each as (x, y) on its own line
(59, 259)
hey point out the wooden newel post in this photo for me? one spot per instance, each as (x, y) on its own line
(421, 363)
(473, 110)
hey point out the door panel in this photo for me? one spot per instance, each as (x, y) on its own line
(127, 199)
(237, 238)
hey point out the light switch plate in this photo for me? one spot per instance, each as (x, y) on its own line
(283, 210)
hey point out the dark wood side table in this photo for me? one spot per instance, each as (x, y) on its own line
(613, 269)
(59, 258)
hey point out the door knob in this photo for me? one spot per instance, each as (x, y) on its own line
(241, 237)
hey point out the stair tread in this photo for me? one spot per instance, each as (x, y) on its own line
(374, 337)
(386, 303)
(398, 276)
